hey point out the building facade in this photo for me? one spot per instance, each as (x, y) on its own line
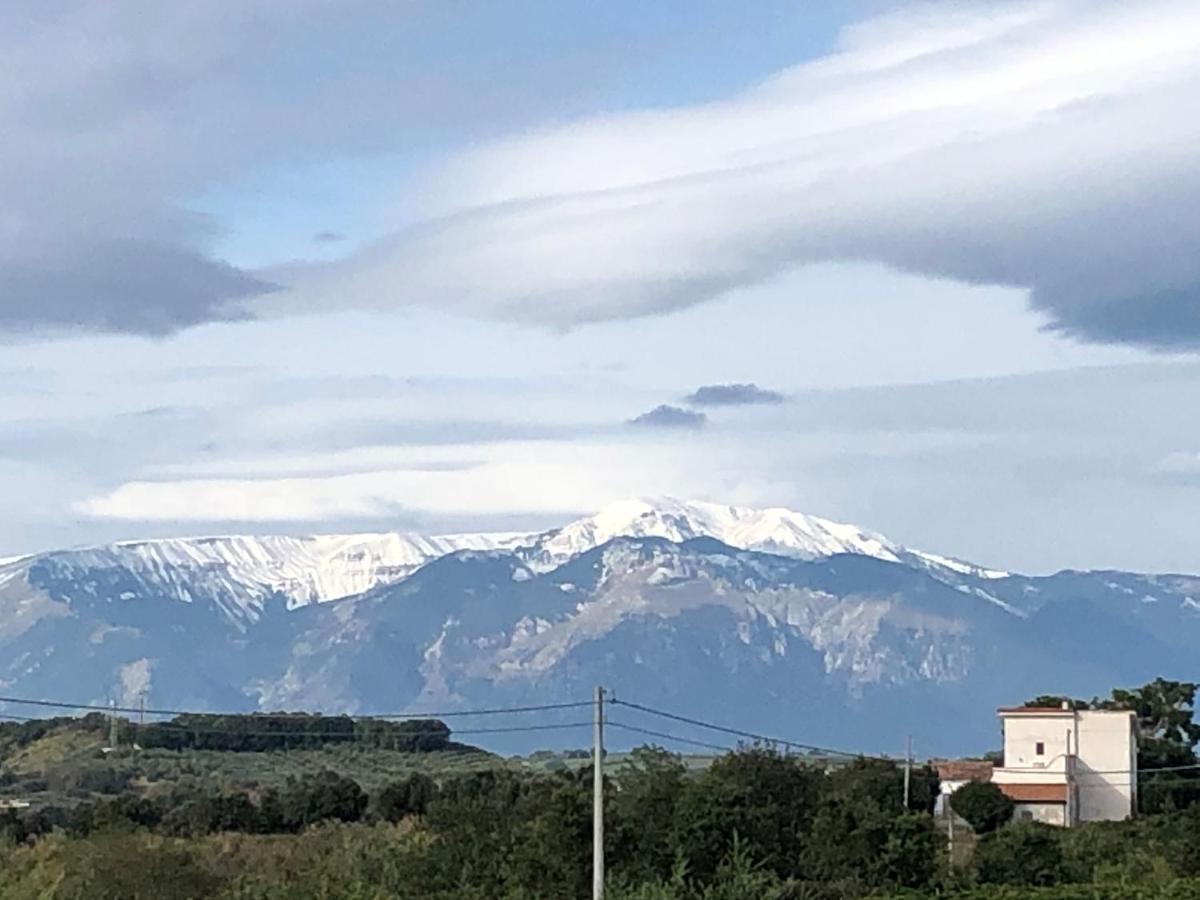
(1063, 766)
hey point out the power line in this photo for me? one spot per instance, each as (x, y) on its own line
(670, 737)
(491, 711)
(1163, 769)
(699, 723)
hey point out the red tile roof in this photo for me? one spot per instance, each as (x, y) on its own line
(964, 769)
(1035, 793)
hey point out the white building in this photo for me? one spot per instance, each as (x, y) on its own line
(1063, 766)
(953, 774)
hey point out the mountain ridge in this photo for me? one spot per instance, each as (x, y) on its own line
(829, 624)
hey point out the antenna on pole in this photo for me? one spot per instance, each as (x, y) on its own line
(598, 799)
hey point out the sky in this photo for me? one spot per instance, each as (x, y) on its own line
(365, 265)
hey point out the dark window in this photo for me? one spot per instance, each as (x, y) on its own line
(1039, 748)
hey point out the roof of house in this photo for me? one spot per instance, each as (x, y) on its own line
(964, 769)
(1059, 711)
(1035, 793)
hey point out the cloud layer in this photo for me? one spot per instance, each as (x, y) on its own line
(1046, 146)
(666, 416)
(1050, 146)
(732, 395)
(119, 119)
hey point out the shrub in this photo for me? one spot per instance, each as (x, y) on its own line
(410, 797)
(1028, 855)
(982, 804)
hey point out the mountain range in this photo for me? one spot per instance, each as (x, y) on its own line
(766, 620)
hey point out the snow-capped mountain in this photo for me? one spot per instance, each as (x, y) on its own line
(241, 573)
(763, 618)
(775, 530)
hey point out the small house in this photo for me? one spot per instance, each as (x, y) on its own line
(1063, 766)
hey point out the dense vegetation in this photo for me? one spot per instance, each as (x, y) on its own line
(755, 825)
(290, 731)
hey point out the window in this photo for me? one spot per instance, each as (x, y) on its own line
(1039, 749)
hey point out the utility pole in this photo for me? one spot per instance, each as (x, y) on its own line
(598, 799)
(112, 724)
(907, 771)
(950, 827)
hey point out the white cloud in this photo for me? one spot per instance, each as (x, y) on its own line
(1048, 146)
(515, 478)
(1180, 463)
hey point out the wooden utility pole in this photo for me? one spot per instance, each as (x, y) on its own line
(598, 799)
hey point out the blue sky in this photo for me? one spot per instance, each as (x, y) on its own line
(373, 265)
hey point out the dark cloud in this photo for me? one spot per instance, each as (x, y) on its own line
(328, 237)
(119, 139)
(732, 395)
(141, 287)
(1164, 320)
(670, 417)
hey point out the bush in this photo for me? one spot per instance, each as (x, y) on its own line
(983, 805)
(410, 797)
(1026, 855)
(763, 797)
(316, 798)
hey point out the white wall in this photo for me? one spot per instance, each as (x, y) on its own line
(1050, 813)
(1106, 768)
(1023, 732)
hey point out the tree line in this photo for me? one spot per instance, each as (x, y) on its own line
(757, 824)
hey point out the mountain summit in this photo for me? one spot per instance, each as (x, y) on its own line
(773, 530)
(766, 618)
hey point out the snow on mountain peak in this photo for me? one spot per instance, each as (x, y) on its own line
(772, 530)
(245, 568)
(242, 572)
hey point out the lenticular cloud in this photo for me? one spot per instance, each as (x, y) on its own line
(1049, 146)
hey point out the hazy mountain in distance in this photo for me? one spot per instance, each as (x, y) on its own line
(769, 620)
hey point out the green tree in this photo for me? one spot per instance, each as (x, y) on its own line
(1027, 854)
(325, 795)
(1167, 735)
(409, 797)
(648, 788)
(881, 781)
(983, 805)
(551, 850)
(1056, 701)
(1175, 788)
(1165, 710)
(212, 813)
(881, 847)
(765, 798)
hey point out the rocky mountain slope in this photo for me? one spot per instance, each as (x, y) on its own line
(766, 619)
